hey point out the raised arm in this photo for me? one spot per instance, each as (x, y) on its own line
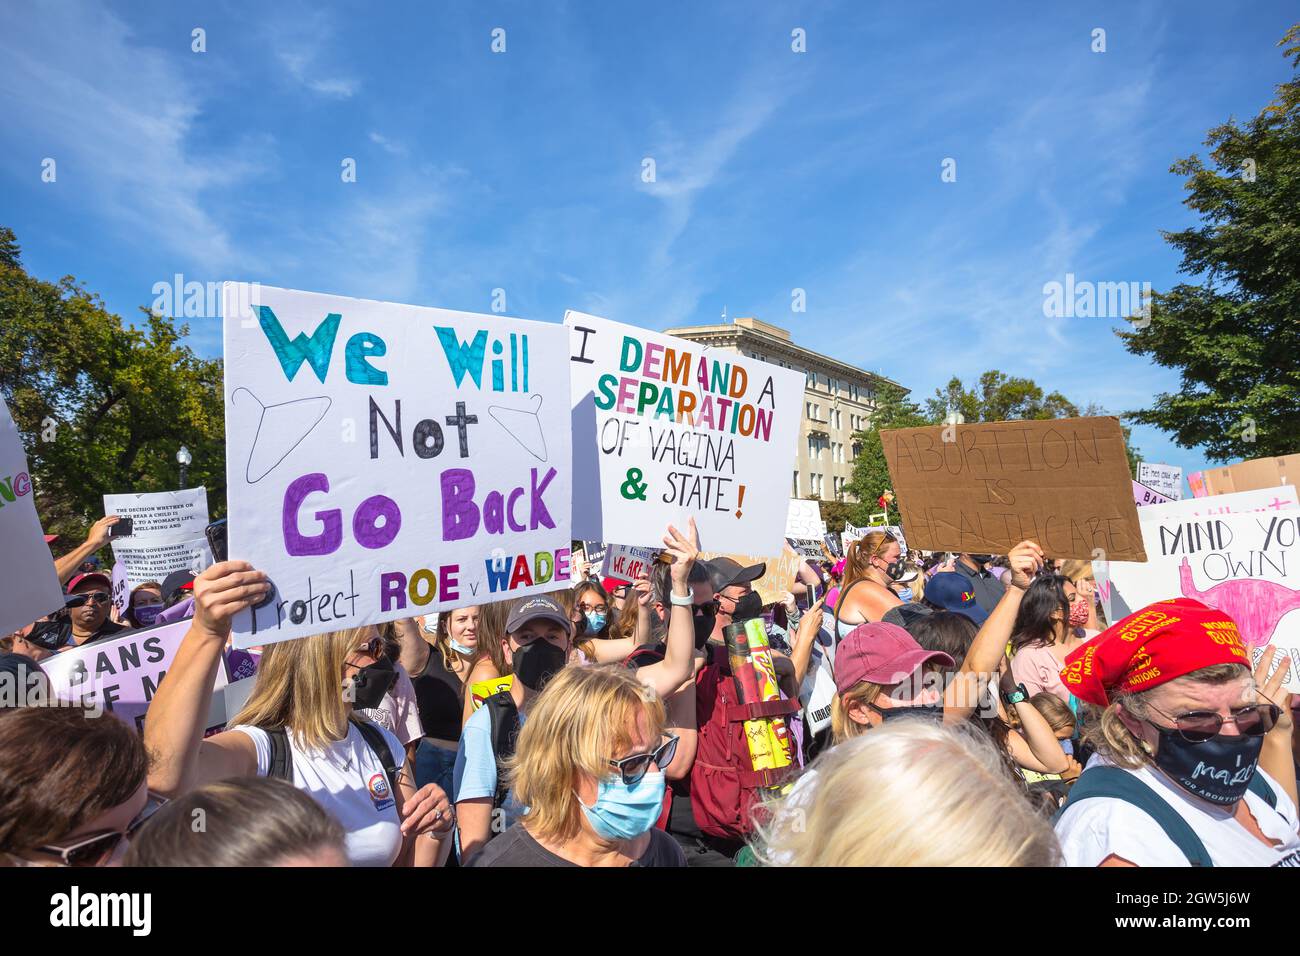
(1045, 753)
(67, 565)
(963, 692)
(679, 648)
(174, 724)
(801, 651)
(415, 650)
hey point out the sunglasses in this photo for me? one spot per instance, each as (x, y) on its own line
(1198, 726)
(633, 768)
(94, 850)
(87, 597)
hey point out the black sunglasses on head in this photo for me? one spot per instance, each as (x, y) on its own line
(633, 768)
(93, 850)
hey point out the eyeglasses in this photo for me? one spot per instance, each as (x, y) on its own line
(708, 607)
(593, 608)
(633, 768)
(93, 850)
(87, 597)
(1198, 726)
(621, 591)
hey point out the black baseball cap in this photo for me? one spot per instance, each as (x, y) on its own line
(538, 607)
(724, 572)
(177, 581)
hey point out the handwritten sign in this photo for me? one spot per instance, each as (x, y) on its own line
(852, 533)
(1252, 475)
(627, 563)
(1196, 481)
(122, 674)
(665, 429)
(29, 586)
(1163, 479)
(1064, 483)
(803, 519)
(386, 460)
(1143, 496)
(778, 577)
(1282, 498)
(1246, 565)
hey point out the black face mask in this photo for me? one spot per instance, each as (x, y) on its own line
(895, 570)
(537, 662)
(1218, 770)
(751, 605)
(371, 684)
(704, 624)
(928, 711)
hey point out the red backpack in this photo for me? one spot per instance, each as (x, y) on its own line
(724, 785)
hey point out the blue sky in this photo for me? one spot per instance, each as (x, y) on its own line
(521, 170)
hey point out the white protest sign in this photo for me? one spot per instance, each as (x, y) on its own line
(627, 563)
(121, 674)
(803, 519)
(818, 690)
(29, 586)
(666, 429)
(162, 515)
(897, 532)
(808, 547)
(1271, 500)
(1166, 479)
(154, 560)
(1246, 565)
(852, 533)
(386, 460)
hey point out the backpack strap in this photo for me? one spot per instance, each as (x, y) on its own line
(281, 767)
(505, 734)
(1261, 789)
(374, 737)
(1119, 784)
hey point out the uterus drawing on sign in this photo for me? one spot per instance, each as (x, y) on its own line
(1255, 605)
(280, 429)
(524, 425)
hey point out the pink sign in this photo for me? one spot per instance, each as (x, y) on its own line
(1142, 495)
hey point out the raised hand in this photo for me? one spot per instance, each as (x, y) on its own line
(1026, 560)
(222, 591)
(1270, 688)
(684, 549)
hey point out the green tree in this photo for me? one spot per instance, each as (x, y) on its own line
(999, 398)
(101, 407)
(1235, 335)
(870, 472)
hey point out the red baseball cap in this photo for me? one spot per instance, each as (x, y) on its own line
(94, 577)
(881, 653)
(609, 584)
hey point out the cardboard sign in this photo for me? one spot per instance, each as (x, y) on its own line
(778, 577)
(1246, 565)
(1252, 475)
(1282, 498)
(1063, 483)
(385, 460)
(122, 674)
(665, 428)
(29, 586)
(1162, 479)
(162, 515)
(1143, 496)
(627, 563)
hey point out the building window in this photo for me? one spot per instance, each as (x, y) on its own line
(794, 489)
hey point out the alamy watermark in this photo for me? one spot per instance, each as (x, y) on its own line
(1074, 299)
(202, 300)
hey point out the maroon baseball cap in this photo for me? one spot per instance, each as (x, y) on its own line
(881, 653)
(91, 577)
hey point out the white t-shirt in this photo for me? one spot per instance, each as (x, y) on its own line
(348, 780)
(1092, 829)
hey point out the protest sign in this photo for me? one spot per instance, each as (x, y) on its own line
(1064, 483)
(29, 586)
(804, 519)
(778, 577)
(121, 591)
(1166, 480)
(1246, 565)
(627, 563)
(386, 460)
(1252, 475)
(665, 428)
(852, 533)
(897, 533)
(162, 515)
(154, 560)
(832, 541)
(595, 551)
(1282, 498)
(1196, 481)
(122, 674)
(808, 547)
(1143, 496)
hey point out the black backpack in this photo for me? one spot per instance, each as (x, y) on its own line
(505, 734)
(282, 762)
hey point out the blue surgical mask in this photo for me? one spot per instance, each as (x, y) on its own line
(459, 648)
(905, 594)
(622, 812)
(595, 621)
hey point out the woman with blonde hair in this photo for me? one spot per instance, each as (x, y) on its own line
(589, 768)
(915, 793)
(1194, 762)
(1081, 575)
(489, 667)
(871, 565)
(298, 725)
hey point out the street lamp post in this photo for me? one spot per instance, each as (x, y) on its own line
(183, 458)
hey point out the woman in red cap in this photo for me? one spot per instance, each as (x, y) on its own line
(1193, 762)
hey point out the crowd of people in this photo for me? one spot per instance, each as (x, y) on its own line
(982, 712)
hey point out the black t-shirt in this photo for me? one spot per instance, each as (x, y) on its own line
(438, 697)
(516, 847)
(106, 630)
